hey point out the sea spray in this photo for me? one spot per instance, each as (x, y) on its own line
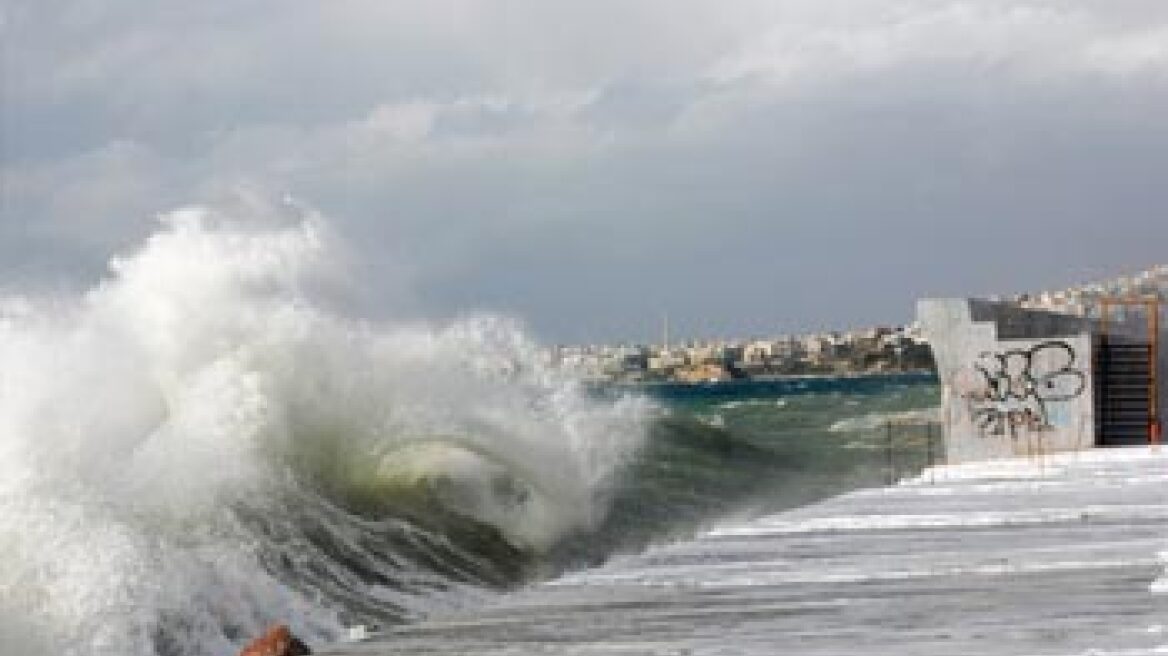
(196, 447)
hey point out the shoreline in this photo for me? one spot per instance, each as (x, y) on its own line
(781, 386)
(1057, 555)
(773, 378)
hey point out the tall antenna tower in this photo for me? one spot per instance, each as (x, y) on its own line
(665, 332)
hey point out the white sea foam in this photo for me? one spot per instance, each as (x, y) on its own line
(713, 420)
(1160, 585)
(1004, 518)
(753, 403)
(133, 416)
(1014, 556)
(875, 420)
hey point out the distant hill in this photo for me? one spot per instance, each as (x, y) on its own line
(1083, 299)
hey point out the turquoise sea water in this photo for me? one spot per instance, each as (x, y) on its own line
(760, 446)
(722, 453)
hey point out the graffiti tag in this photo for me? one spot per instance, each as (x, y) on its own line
(1015, 387)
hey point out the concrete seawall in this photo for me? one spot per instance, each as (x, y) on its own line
(1024, 382)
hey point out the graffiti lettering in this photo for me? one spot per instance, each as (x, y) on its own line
(1015, 387)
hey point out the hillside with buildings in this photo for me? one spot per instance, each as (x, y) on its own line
(1083, 300)
(869, 350)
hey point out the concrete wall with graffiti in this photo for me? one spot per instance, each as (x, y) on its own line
(1024, 395)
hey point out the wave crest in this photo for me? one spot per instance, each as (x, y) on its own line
(194, 447)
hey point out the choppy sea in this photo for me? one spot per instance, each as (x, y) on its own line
(203, 443)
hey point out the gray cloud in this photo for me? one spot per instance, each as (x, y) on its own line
(746, 166)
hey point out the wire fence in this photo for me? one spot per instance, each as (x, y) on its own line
(911, 447)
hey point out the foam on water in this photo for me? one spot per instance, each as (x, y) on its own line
(1160, 585)
(875, 420)
(146, 424)
(1021, 557)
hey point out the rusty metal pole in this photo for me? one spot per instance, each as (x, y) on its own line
(1153, 372)
(891, 463)
(929, 447)
(1151, 305)
(1101, 422)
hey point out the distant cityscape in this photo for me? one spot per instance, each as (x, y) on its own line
(1083, 300)
(881, 349)
(871, 350)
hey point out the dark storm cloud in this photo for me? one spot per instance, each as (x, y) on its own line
(746, 166)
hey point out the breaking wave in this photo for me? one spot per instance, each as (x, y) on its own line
(198, 446)
(203, 444)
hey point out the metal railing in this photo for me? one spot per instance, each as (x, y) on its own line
(911, 447)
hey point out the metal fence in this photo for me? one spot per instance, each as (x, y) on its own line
(911, 447)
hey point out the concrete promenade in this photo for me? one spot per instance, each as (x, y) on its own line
(1038, 558)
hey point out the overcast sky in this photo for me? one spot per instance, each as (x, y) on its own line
(749, 167)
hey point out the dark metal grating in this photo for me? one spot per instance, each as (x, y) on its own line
(1123, 391)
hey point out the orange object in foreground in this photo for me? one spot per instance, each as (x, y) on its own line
(278, 641)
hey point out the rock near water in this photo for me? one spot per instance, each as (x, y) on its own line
(278, 641)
